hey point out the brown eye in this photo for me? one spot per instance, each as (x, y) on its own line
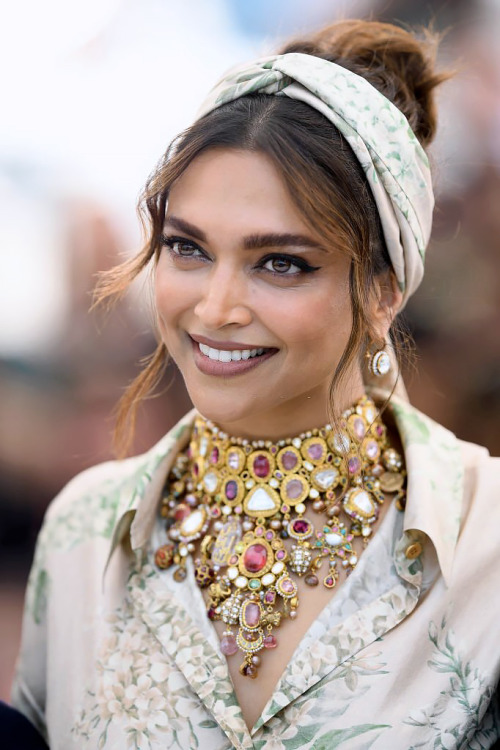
(282, 266)
(184, 249)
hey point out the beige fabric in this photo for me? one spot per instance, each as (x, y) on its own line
(115, 654)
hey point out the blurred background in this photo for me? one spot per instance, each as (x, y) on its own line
(91, 94)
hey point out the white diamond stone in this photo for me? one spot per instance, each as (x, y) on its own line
(241, 582)
(210, 481)
(277, 568)
(333, 539)
(232, 573)
(362, 501)
(297, 442)
(268, 579)
(326, 478)
(203, 446)
(353, 559)
(274, 483)
(260, 501)
(192, 523)
(341, 442)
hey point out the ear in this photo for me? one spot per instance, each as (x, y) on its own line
(385, 303)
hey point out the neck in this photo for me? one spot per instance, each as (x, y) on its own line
(290, 418)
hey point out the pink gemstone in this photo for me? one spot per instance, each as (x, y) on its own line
(214, 456)
(255, 558)
(191, 500)
(371, 449)
(301, 526)
(315, 451)
(287, 585)
(231, 489)
(379, 429)
(289, 460)
(354, 465)
(259, 531)
(280, 554)
(294, 489)
(251, 614)
(261, 466)
(270, 597)
(359, 428)
(270, 641)
(228, 645)
(329, 581)
(284, 508)
(269, 536)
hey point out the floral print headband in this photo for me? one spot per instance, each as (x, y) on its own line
(395, 164)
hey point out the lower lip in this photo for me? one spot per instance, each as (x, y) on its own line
(227, 369)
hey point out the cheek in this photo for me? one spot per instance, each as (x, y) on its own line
(171, 294)
(318, 318)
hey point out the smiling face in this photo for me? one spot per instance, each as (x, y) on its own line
(254, 310)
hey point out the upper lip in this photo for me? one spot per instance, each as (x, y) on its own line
(226, 345)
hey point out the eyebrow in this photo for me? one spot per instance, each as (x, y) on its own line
(252, 241)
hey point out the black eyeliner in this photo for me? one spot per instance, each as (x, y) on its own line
(304, 266)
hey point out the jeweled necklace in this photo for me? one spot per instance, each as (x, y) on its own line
(243, 498)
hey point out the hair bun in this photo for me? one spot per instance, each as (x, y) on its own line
(397, 63)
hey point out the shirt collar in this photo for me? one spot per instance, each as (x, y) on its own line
(435, 486)
(434, 492)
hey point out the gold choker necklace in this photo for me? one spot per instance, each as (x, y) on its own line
(243, 499)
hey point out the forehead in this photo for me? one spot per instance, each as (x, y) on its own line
(229, 187)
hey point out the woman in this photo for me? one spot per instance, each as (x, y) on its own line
(288, 227)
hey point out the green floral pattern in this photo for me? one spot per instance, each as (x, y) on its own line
(455, 719)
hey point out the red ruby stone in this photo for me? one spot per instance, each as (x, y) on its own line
(261, 466)
(300, 526)
(211, 613)
(214, 456)
(255, 558)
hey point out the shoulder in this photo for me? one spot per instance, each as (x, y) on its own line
(106, 485)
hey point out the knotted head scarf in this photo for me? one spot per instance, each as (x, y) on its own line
(395, 164)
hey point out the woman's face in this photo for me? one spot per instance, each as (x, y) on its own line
(252, 306)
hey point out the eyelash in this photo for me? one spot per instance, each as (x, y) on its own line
(300, 263)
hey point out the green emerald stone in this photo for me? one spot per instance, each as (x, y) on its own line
(254, 583)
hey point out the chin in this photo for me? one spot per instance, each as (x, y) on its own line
(221, 408)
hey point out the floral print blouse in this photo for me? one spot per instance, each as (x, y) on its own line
(117, 655)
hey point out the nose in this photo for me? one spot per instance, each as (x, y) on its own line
(223, 300)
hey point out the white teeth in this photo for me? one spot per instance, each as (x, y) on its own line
(225, 355)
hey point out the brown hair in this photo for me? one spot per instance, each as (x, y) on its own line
(324, 178)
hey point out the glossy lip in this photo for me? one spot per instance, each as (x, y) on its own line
(226, 369)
